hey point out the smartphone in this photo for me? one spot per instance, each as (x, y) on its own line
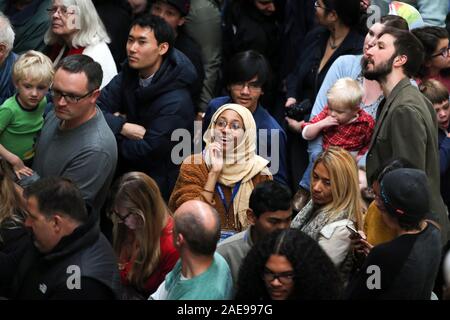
(353, 231)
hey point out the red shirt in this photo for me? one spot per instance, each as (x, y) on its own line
(168, 257)
(352, 136)
(56, 49)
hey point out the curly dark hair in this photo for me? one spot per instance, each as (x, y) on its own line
(316, 277)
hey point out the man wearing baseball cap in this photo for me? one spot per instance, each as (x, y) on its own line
(406, 267)
(174, 12)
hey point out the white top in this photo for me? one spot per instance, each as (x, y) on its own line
(100, 53)
(334, 240)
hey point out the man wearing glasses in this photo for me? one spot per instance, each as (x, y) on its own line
(75, 141)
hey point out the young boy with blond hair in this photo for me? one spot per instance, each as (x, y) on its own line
(342, 123)
(21, 116)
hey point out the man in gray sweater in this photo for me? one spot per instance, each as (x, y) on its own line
(75, 141)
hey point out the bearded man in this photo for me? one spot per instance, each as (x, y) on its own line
(406, 122)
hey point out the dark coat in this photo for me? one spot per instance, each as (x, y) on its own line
(14, 239)
(162, 107)
(444, 158)
(305, 81)
(7, 88)
(245, 28)
(298, 21)
(192, 50)
(44, 276)
(116, 16)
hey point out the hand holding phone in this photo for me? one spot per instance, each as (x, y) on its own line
(354, 233)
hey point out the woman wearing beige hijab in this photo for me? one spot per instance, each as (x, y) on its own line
(228, 169)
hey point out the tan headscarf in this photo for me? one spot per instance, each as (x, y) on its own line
(245, 162)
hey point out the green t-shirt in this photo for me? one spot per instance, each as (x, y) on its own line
(19, 127)
(213, 284)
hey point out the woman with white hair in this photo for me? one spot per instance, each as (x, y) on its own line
(77, 29)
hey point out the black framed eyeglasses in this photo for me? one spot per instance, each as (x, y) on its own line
(122, 219)
(444, 53)
(283, 277)
(70, 98)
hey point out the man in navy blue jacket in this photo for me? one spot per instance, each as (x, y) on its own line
(246, 76)
(148, 100)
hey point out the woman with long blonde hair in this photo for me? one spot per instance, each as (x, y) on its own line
(335, 206)
(142, 233)
(12, 214)
(14, 237)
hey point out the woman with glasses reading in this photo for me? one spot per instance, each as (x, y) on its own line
(142, 235)
(76, 28)
(288, 265)
(436, 64)
(228, 169)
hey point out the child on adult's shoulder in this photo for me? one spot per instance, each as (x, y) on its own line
(21, 115)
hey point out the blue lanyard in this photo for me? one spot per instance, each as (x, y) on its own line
(226, 205)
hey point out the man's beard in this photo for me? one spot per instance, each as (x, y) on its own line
(379, 73)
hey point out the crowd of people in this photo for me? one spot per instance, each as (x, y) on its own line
(224, 149)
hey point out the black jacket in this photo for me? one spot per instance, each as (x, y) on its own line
(14, 239)
(193, 51)
(52, 275)
(162, 107)
(298, 21)
(305, 81)
(245, 28)
(116, 16)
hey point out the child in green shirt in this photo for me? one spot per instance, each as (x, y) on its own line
(21, 115)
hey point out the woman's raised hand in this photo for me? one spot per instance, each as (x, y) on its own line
(216, 156)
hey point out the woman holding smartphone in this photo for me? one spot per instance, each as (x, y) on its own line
(334, 205)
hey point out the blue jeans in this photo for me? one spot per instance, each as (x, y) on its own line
(314, 149)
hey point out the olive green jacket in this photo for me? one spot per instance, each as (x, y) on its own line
(407, 128)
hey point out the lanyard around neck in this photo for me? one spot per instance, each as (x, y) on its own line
(226, 205)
